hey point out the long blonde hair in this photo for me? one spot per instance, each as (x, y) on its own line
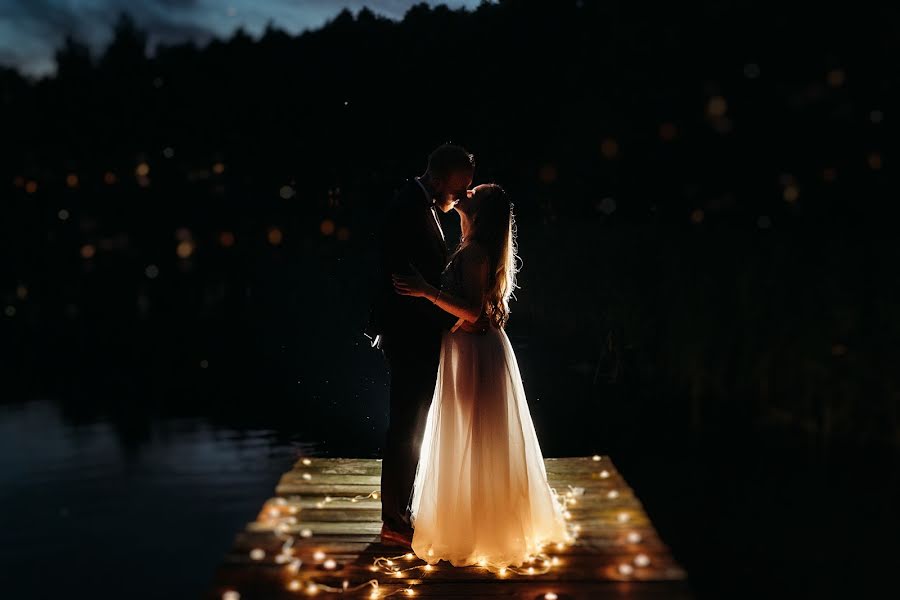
(494, 228)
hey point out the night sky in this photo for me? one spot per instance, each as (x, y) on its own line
(30, 30)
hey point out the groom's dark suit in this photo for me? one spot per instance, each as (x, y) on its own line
(410, 329)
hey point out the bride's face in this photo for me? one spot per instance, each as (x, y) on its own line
(469, 203)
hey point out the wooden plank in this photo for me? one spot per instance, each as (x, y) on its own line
(332, 506)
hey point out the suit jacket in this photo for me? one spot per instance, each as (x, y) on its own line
(408, 234)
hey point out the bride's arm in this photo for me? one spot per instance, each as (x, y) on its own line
(470, 305)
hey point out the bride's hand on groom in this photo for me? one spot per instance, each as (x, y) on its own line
(411, 284)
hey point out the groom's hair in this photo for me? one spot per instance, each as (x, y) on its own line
(449, 158)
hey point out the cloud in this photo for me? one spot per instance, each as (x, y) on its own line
(31, 30)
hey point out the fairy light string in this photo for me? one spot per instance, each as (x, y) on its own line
(282, 516)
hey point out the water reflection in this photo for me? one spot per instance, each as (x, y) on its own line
(81, 512)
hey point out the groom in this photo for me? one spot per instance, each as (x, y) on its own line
(407, 329)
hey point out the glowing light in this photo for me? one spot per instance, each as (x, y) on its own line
(604, 474)
(306, 476)
(550, 596)
(791, 193)
(409, 555)
(609, 148)
(257, 554)
(318, 555)
(375, 495)
(502, 571)
(410, 592)
(305, 533)
(634, 537)
(560, 546)
(642, 560)
(626, 569)
(142, 170)
(429, 568)
(231, 595)
(185, 249)
(312, 589)
(716, 107)
(874, 161)
(596, 457)
(554, 561)
(547, 173)
(294, 585)
(306, 461)
(612, 494)
(697, 216)
(836, 77)
(275, 237)
(320, 505)
(623, 517)
(430, 552)
(330, 564)
(531, 570)
(327, 227)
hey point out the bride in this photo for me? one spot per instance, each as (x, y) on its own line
(481, 494)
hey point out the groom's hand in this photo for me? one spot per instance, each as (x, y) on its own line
(479, 326)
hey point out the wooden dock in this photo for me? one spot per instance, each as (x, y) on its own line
(319, 536)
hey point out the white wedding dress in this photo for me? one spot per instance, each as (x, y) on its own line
(481, 494)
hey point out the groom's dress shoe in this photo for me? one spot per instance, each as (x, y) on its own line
(390, 537)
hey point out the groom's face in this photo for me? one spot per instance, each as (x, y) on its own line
(451, 188)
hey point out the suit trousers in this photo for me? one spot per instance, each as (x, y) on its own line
(413, 364)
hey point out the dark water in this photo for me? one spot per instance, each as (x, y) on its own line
(93, 508)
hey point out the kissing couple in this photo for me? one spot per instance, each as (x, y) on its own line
(463, 476)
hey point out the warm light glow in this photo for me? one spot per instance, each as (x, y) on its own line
(275, 237)
(306, 476)
(327, 227)
(409, 555)
(429, 568)
(410, 592)
(626, 569)
(231, 595)
(604, 474)
(554, 561)
(550, 596)
(716, 107)
(623, 517)
(185, 249)
(294, 585)
(329, 564)
(502, 571)
(642, 560)
(634, 537)
(531, 570)
(612, 494)
(142, 170)
(375, 495)
(257, 554)
(305, 533)
(596, 457)
(306, 461)
(312, 589)
(226, 238)
(318, 555)
(560, 546)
